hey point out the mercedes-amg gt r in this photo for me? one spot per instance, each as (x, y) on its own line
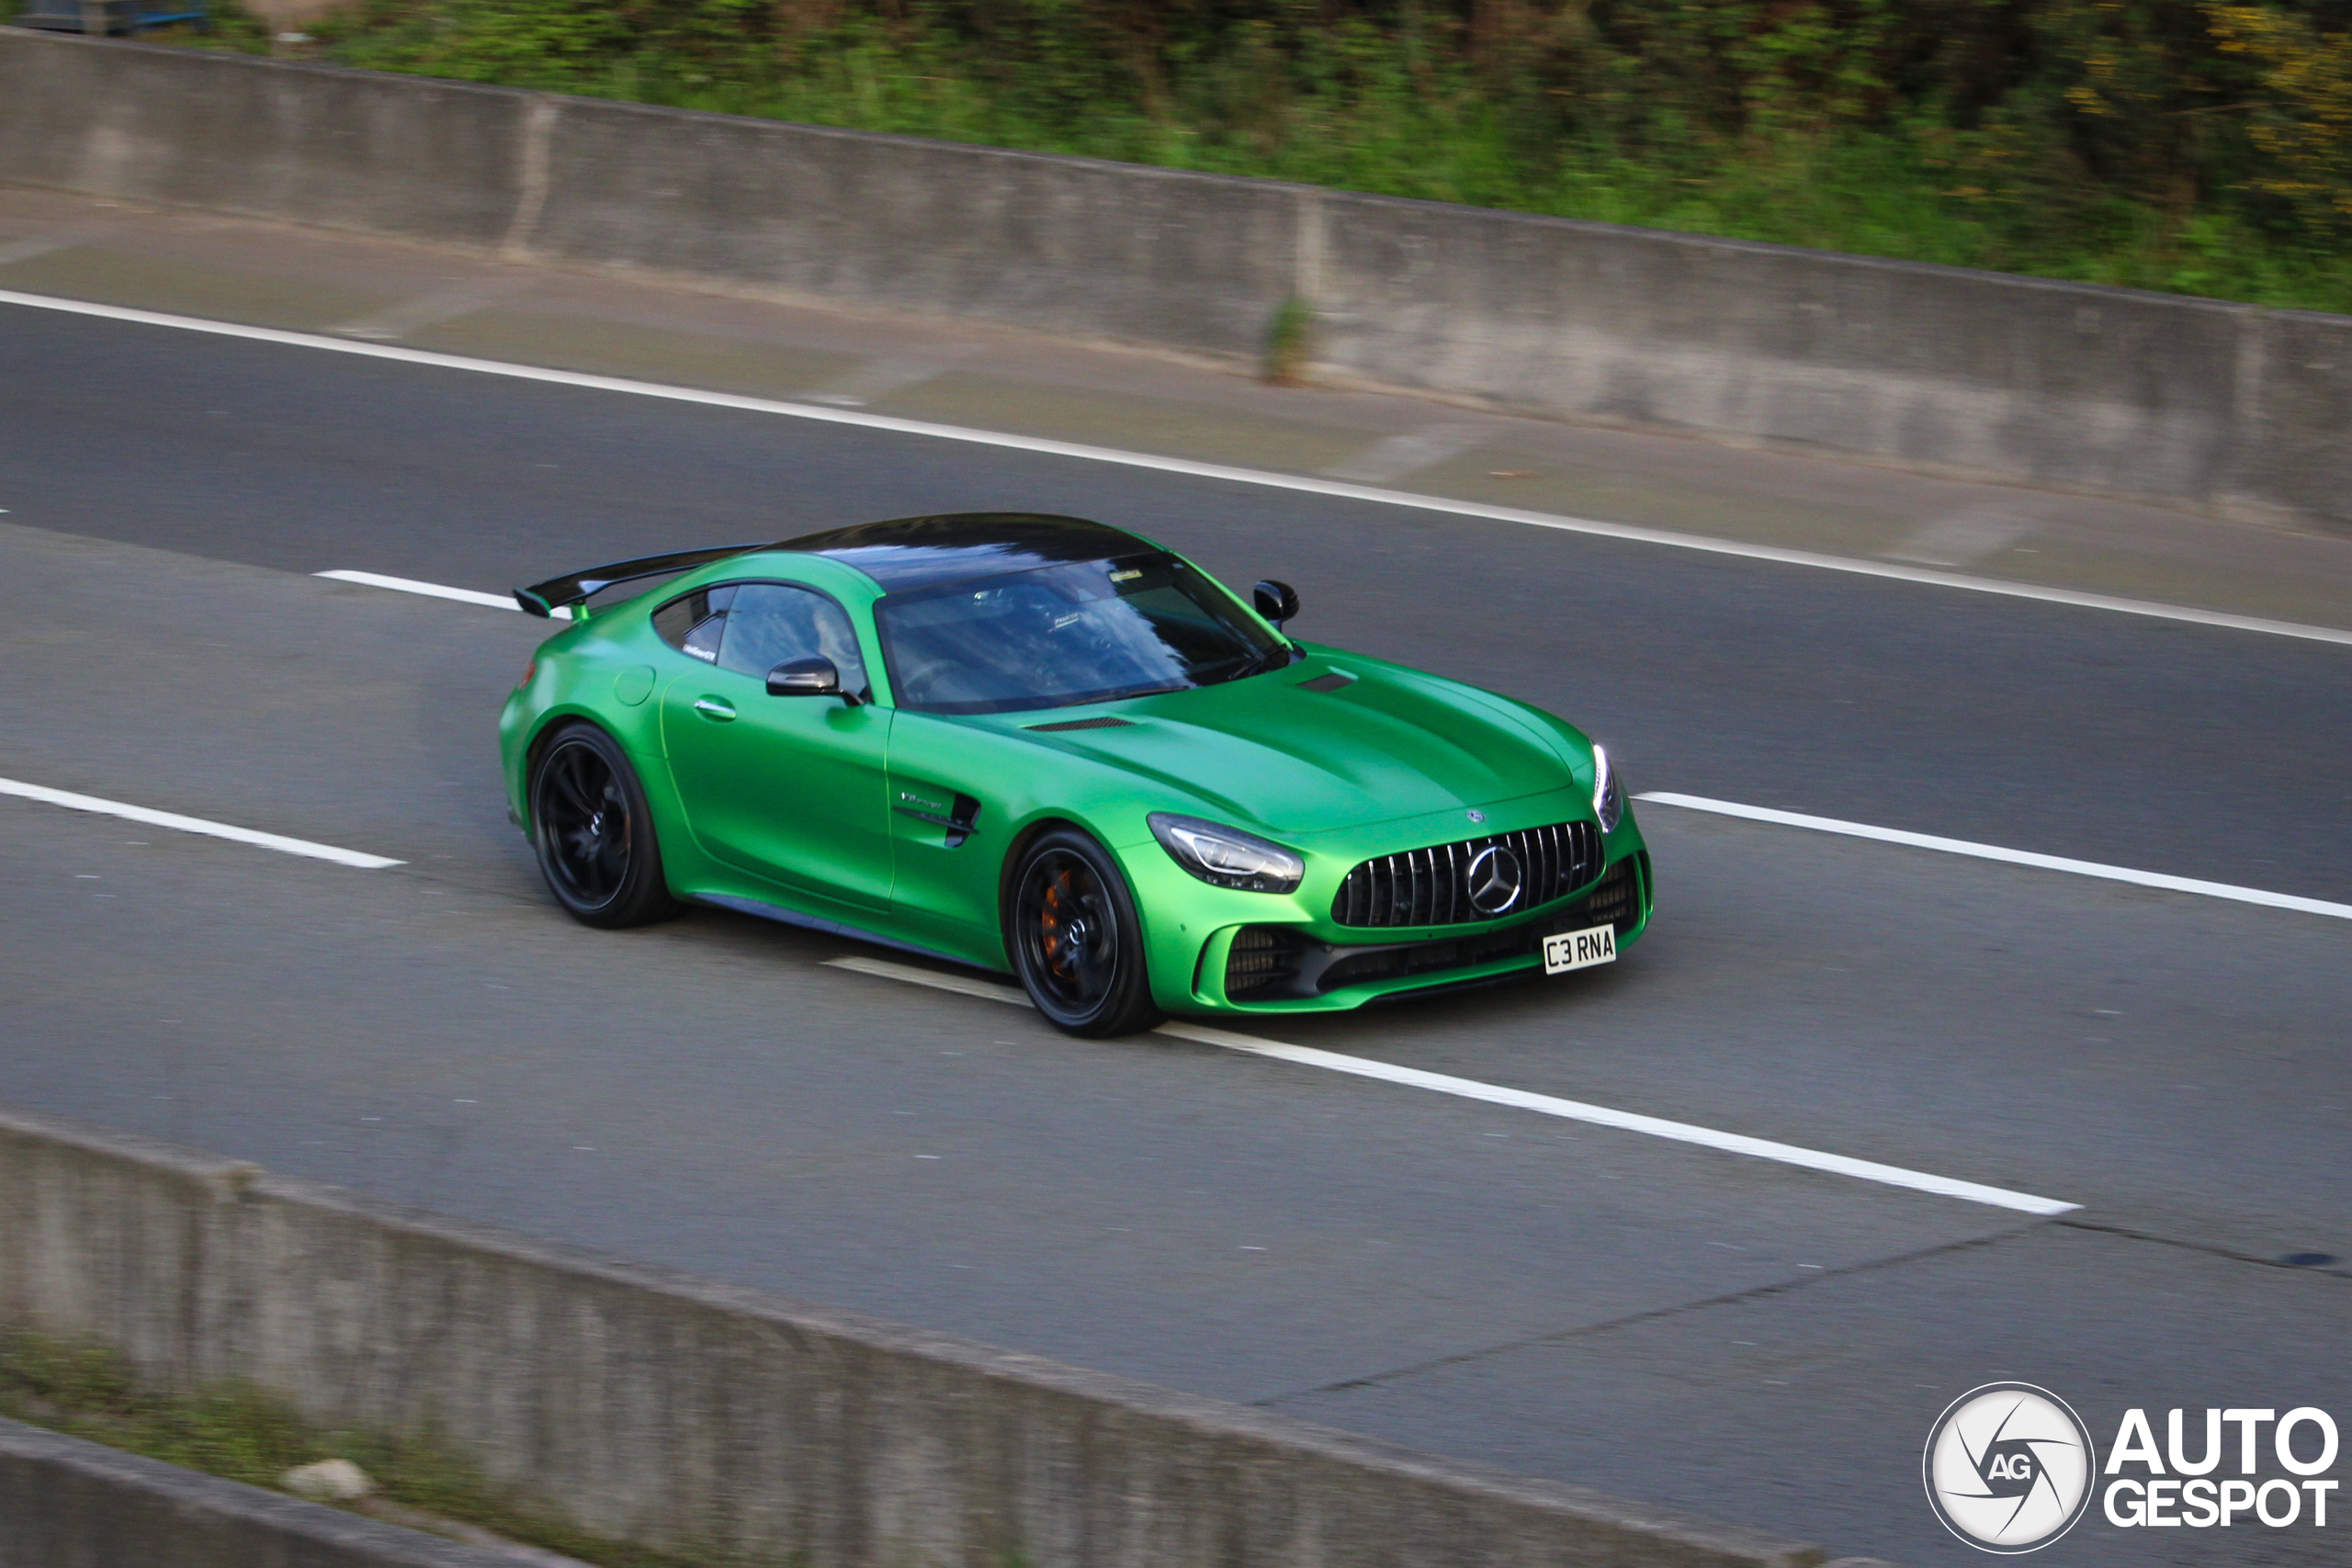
(1050, 747)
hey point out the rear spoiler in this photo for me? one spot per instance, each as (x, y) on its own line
(543, 599)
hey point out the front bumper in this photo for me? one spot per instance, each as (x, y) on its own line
(1281, 963)
(1217, 951)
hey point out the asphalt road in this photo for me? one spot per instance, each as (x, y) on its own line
(1745, 1340)
(2142, 743)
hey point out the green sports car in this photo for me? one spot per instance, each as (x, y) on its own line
(1048, 746)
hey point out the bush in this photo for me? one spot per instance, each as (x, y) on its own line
(2164, 144)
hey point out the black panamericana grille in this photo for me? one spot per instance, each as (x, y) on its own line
(1431, 887)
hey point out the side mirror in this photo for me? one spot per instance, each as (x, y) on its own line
(810, 677)
(1275, 601)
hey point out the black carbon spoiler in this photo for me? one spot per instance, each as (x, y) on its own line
(542, 598)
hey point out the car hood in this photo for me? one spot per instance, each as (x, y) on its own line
(1267, 751)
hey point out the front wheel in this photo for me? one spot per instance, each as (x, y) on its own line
(1076, 940)
(594, 833)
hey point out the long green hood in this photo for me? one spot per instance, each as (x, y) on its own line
(1268, 751)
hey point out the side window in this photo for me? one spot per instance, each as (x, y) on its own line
(692, 624)
(770, 621)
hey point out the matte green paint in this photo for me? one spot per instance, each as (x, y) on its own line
(810, 807)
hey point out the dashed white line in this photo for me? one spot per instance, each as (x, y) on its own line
(1517, 1098)
(1339, 490)
(430, 589)
(938, 980)
(2010, 857)
(277, 842)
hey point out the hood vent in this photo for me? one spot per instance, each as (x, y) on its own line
(1331, 682)
(1106, 723)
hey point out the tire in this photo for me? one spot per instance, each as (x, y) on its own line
(1076, 942)
(594, 833)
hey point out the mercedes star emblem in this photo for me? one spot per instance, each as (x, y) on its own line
(1494, 880)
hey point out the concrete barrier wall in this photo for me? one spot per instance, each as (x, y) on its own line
(699, 1417)
(343, 149)
(1936, 366)
(1062, 245)
(67, 1504)
(2217, 405)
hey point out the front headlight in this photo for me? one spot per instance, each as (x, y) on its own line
(1227, 857)
(1608, 799)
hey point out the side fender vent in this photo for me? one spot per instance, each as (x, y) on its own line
(959, 822)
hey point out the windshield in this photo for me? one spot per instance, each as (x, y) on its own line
(1083, 632)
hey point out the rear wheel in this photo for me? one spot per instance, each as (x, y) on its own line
(1076, 940)
(594, 833)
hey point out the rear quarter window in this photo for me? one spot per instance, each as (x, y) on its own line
(693, 623)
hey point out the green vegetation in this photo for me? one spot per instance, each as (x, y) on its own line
(2173, 144)
(245, 1434)
(1289, 344)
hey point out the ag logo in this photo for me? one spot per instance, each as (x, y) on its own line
(2008, 1468)
(1494, 877)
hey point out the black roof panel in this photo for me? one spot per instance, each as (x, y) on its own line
(911, 552)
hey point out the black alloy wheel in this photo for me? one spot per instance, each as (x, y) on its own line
(1076, 940)
(594, 834)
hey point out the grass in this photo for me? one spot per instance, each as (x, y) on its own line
(245, 1434)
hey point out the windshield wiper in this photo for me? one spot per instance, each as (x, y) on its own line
(1272, 658)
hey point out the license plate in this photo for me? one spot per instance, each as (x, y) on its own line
(1580, 950)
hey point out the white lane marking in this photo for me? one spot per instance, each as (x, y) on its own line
(1337, 488)
(431, 590)
(962, 985)
(195, 825)
(437, 591)
(1517, 1098)
(2010, 857)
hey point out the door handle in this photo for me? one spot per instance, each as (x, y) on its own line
(715, 710)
